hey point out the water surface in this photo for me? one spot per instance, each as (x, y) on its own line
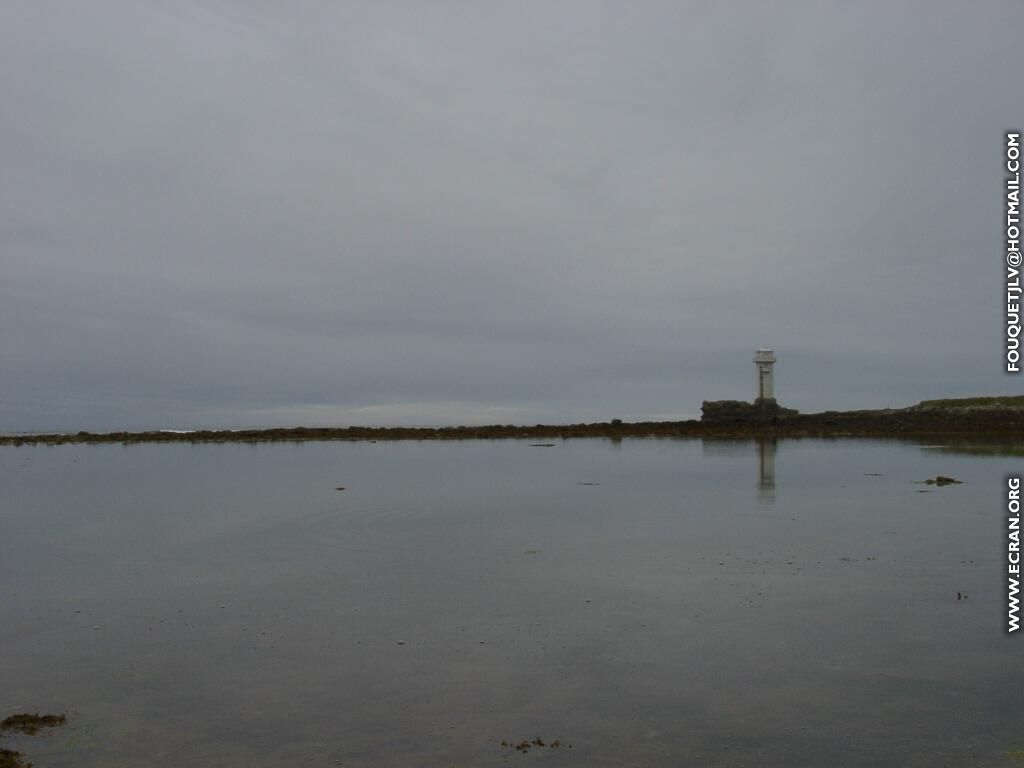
(648, 602)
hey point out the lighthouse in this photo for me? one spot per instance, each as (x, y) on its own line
(764, 361)
(764, 408)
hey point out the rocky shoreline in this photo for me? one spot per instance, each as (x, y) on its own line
(999, 419)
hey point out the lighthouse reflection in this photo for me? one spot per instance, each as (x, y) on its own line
(765, 449)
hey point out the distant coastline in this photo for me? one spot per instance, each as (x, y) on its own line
(1003, 416)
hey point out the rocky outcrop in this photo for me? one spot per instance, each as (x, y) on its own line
(740, 411)
(721, 418)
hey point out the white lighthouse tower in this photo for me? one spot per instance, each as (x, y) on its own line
(764, 360)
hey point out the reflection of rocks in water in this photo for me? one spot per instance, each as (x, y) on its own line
(727, 447)
(982, 446)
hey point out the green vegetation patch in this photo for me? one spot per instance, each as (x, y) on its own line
(1002, 401)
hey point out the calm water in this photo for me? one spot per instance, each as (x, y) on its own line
(656, 603)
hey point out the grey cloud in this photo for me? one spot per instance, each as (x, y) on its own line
(233, 213)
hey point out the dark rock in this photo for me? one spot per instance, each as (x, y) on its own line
(731, 411)
(943, 480)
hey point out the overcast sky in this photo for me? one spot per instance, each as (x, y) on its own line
(260, 213)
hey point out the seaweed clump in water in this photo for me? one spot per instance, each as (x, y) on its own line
(28, 724)
(31, 724)
(11, 759)
(525, 745)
